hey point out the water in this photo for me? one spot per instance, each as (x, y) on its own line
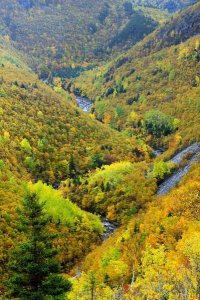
(169, 183)
(84, 103)
(174, 179)
(158, 152)
(193, 150)
(109, 227)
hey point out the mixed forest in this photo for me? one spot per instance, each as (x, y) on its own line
(83, 212)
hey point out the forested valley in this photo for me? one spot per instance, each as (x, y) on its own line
(99, 150)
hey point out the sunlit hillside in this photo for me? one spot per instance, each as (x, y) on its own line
(99, 150)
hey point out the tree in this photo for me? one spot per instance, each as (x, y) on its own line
(158, 124)
(88, 287)
(25, 145)
(161, 169)
(33, 265)
(72, 167)
(155, 282)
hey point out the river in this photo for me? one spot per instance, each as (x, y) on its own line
(84, 103)
(109, 227)
(193, 151)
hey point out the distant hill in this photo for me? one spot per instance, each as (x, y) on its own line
(170, 5)
(103, 167)
(159, 73)
(59, 34)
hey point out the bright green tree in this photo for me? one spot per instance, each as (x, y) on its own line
(161, 169)
(34, 270)
(25, 145)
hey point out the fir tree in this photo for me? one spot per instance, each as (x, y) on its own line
(72, 167)
(33, 265)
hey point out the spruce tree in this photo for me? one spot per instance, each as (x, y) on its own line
(34, 270)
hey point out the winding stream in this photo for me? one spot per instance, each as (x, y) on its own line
(109, 228)
(84, 103)
(192, 150)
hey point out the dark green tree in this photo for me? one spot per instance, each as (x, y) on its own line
(158, 124)
(72, 167)
(34, 269)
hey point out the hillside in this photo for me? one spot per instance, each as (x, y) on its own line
(43, 131)
(45, 136)
(156, 255)
(161, 73)
(100, 150)
(76, 34)
(117, 191)
(65, 217)
(171, 5)
(73, 41)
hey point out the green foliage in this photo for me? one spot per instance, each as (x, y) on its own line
(120, 112)
(116, 191)
(138, 88)
(119, 88)
(3, 94)
(2, 165)
(67, 221)
(100, 110)
(171, 6)
(30, 163)
(133, 99)
(41, 144)
(137, 27)
(56, 141)
(97, 160)
(112, 174)
(158, 124)
(35, 272)
(165, 74)
(156, 254)
(25, 145)
(63, 210)
(112, 255)
(161, 169)
(172, 75)
(63, 56)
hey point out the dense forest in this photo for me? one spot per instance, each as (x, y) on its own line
(71, 40)
(100, 150)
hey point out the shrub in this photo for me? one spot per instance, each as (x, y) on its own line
(161, 169)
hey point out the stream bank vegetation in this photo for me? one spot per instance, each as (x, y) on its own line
(82, 168)
(152, 91)
(155, 255)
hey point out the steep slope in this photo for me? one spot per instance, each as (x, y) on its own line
(160, 73)
(170, 5)
(150, 94)
(77, 231)
(44, 133)
(156, 255)
(117, 191)
(57, 34)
